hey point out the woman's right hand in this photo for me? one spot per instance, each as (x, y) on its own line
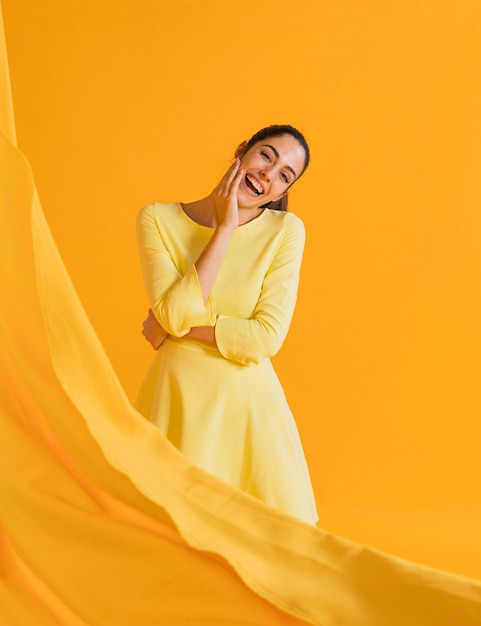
(225, 197)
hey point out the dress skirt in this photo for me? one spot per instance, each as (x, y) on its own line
(232, 421)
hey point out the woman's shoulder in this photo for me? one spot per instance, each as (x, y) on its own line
(285, 216)
(287, 221)
(160, 209)
(156, 217)
(157, 214)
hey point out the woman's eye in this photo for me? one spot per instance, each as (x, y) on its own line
(266, 156)
(284, 177)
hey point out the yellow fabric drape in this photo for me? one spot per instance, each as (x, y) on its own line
(103, 522)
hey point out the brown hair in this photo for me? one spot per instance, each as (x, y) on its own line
(277, 130)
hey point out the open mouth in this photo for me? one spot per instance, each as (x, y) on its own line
(254, 185)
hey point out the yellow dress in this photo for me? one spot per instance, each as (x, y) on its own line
(225, 409)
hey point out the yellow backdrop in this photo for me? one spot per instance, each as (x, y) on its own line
(119, 104)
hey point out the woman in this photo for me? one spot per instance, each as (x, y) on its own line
(222, 274)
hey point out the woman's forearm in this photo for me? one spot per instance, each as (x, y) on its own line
(209, 262)
(224, 201)
(203, 334)
(155, 334)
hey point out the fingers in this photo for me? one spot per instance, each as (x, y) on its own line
(146, 322)
(237, 179)
(232, 171)
(225, 196)
(228, 178)
(153, 331)
(148, 328)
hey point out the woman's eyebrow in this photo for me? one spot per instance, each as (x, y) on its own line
(267, 145)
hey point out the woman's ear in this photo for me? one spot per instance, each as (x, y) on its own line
(241, 150)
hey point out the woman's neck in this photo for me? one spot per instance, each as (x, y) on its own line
(203, 212)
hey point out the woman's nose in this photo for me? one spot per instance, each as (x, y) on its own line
(266, 173)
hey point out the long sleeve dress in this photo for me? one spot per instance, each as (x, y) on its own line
(225, 409)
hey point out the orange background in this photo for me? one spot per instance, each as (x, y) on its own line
(120, 104)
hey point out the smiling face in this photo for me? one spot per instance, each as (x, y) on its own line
(271, 167)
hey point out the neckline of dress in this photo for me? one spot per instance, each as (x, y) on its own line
(192, 221)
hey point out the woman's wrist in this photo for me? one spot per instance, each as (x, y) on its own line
(203, 334)
(226, 229)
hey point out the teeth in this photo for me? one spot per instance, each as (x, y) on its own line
(257, 186)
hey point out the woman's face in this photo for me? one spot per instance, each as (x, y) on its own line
(271, 166)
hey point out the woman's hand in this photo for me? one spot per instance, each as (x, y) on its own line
(153, 331)
(225, 197)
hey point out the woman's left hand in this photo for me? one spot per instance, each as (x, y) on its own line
(153, 331)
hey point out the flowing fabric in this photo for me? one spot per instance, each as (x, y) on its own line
(104, 522)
